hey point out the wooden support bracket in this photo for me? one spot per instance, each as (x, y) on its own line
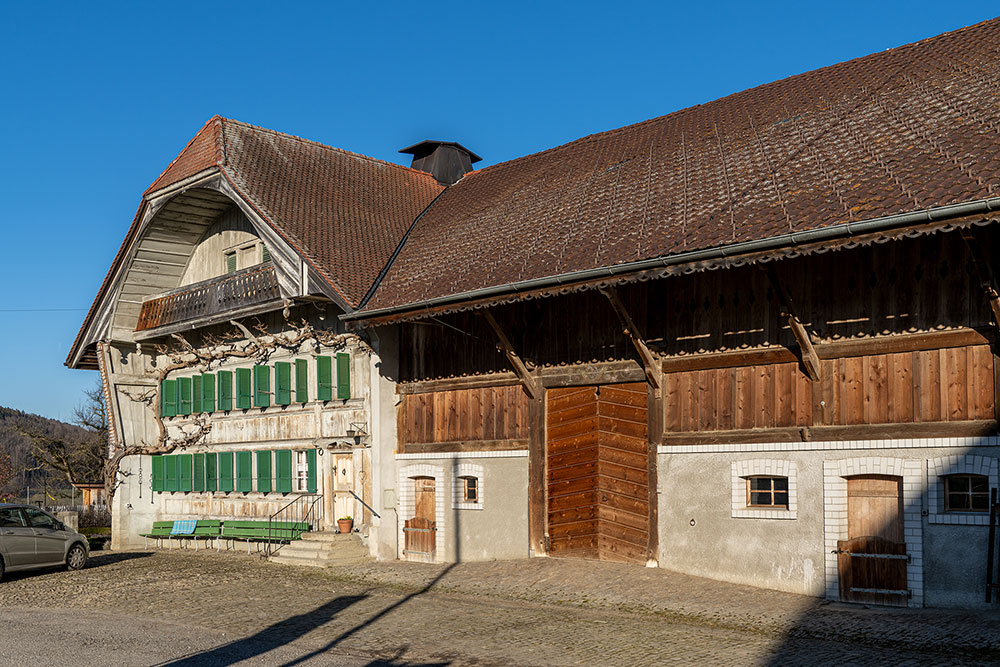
(810, 360)
(987, 282)
(650, 362)
(531, 385)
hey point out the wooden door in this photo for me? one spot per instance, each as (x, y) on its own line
(598, 474)
(419, 531)
(872, 560)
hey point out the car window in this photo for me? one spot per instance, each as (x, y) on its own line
(10, 517)
(39, 519)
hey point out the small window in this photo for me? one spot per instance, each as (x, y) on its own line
(966, 493)
(767, 492)
(301, 472)
(470, 489)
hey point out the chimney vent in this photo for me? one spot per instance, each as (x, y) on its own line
(447, 161)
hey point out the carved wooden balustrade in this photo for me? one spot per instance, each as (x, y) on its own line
(247, 287)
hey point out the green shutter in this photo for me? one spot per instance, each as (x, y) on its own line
(196, 395)
(208, 392)
(282, 382)
(243, 387)
(265, 254)
(157, 473)
(225, 471)
(184, 396)
(225, 390)
(324, 378)
(244, 472)
(301, 381)
(199, 473)
(261, 386)
(283, 463)
(264, 471)
(343, 375)
(211, 472)
(168, 403)
(311, 472)
(230, 262)
(170, 481)
(186, 468)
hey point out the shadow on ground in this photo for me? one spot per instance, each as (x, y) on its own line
(284, 632)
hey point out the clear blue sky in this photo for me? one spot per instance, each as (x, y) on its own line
(99, 97)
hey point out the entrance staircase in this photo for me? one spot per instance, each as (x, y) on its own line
(324, 549)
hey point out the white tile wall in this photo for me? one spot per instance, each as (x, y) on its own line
(772, 467)
(458, 487)
(501, 454)
(407, 502)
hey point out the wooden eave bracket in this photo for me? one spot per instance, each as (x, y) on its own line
(531, 384)
(650, 363)
(810, 360)
(987, 282)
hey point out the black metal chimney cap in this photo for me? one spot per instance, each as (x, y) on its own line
(427, 146)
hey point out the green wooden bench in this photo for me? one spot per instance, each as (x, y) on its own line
(204, 529)
(160, 530)
(207, 529)
(263, 531)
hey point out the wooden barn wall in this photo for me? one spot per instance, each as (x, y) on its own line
(937, 385)
(923, 284)
(467, 417)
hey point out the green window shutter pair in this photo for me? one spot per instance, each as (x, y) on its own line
(244, 473)
(168, 398)
(184, 396)
(311, 471)
(283, 465)
(230, 262)
(343, 375)
(243, 387)
(264, 471)
(170, 479)
(301, 381)
(157, 473)
(324, 378)
(261, 386)
(199, 473)
(208, 392)
(225, 390)
(226, 471)
(282, 383)
(196, 395)
(186, 468)
(211, 472)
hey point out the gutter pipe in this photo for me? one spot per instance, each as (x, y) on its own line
(843, 230)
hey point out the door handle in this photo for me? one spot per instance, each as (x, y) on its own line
(8, 532)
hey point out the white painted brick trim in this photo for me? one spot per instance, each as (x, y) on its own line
(835, 474)
(772, 468)
(408, 501)
(458, 487)
(832, 445)
(501, 454)
(957, 465)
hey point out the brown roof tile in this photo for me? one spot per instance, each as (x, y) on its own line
(901, 130)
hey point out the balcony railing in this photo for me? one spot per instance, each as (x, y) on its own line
(248, 287)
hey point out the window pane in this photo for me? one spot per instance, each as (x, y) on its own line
(980, 502)
(780, 483)
(980, 484)
(11, 518)
(760, 483)
(760, 498)
(781, 499)
(39, 519)
(958, 501)
(958, 483)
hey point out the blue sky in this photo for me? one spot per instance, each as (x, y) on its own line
(99, 97)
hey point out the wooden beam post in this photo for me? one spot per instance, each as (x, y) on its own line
(649, 361)
(986, 280)
(531, 385)
(809, 358)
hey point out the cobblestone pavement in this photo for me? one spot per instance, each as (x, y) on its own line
(532, 612)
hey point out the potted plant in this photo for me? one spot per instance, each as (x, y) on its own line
(345, 524)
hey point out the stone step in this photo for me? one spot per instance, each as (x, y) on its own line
(286, 559)
(328, 536)
(322, 549)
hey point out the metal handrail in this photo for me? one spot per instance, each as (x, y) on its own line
(300, 510)
(370, 508)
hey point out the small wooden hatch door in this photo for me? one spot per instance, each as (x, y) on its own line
(871, 562)
(419, 531)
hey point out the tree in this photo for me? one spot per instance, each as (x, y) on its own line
(6, 472)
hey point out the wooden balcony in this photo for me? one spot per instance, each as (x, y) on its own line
(240, 291)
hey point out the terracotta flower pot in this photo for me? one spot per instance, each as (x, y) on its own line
(345, 525)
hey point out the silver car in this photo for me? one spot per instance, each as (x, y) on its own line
(31, 538)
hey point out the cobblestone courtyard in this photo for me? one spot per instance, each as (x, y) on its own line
(221, 609)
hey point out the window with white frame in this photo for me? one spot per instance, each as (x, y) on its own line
(959, 489)
(468, 487)
(764, 489)
(301, 472)
(244, 256)
(966, 493)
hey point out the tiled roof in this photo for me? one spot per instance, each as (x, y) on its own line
(897, 131)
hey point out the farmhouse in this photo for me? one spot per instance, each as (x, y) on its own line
(753, 340)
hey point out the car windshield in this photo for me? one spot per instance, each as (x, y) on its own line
(39, 519)
(10, 517)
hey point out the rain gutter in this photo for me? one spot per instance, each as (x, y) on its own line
(834, 232)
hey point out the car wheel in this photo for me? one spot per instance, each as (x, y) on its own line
(76, 558)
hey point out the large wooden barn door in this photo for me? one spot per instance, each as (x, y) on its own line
(420, 530)
(871, 562)
(598, 475)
